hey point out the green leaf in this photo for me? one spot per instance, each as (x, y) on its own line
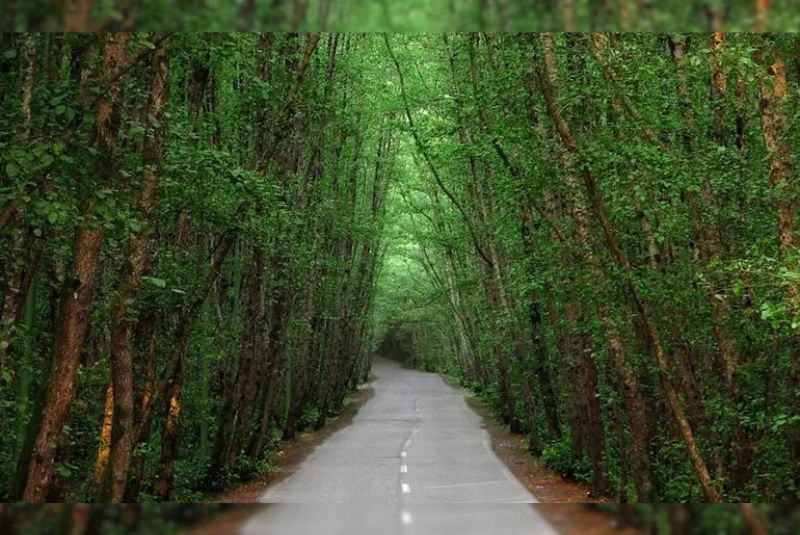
(12, 169)
(62, 469)
(160, 283)
(135, 225)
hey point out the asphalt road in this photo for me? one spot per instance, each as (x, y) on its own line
(414, 461)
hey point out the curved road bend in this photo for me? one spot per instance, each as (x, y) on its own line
(412, 454)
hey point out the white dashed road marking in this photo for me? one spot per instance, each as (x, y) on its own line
(403, 454)
(405, 518)
(406, 488)
(403, 469)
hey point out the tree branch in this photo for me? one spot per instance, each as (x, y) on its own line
(427, 157)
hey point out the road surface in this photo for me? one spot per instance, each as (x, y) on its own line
(414, 461)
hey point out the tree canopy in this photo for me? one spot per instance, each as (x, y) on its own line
(401, 15)
(205, 238)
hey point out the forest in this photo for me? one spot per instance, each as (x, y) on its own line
(604, 225)
(205, 237)
(191, 230)
(399, 15)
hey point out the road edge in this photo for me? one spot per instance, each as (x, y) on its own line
(294, 451)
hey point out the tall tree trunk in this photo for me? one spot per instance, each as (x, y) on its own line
(483, 246)
(542, 357)
(755, 526)
(324, 14)
(122, 439)
(775, 112)
(569, 16)
(641, 428)
(234, 409)
(170, 433)
(299, 15)
(547, 79)
(146, 337)
(276, 355)
(247, 400)
(78, 291)
(77, 15)
(105, 437)
(185, 322)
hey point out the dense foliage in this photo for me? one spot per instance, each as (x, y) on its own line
(190, 234)
(96, 519)
(204, 236)
(681, 519)
(400, 15)
(597, 232)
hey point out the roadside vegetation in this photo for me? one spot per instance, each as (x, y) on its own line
(597, 235)
(401, 15)
(204, 237)
(191, 228)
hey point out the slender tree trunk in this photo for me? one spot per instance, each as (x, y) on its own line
(185, 322)
(170, 433)
(542, 357)
(299, 15)
(276, 352)
(569, 16)
(122, 439)
(761, 14)
(483, 244)
(77, 293)
(641, 425)
(775, 110)
(324, 14)
(547, 79)
(73, 318)
(234, 409)
(755, 526)
(678, 518)
(247, 15)
(105, 437)
(146, 337)
(77, 15)
(247, 399)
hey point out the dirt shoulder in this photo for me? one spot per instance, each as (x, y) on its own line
(547, 485)
(286, 461)
(293, 452)
(565, 504)
(225, 523)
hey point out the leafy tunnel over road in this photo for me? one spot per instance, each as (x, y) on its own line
(205, 237)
